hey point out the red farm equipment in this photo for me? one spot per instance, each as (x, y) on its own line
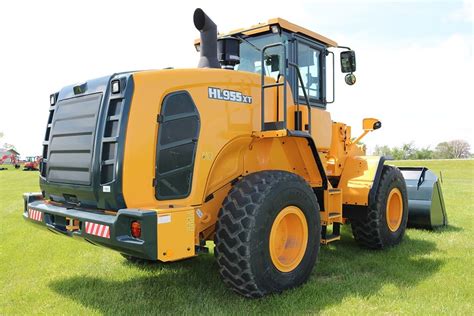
(9, 159)
(32, 163)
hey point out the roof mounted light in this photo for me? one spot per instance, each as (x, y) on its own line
(115, 86)
(80, 88)
(275, 29)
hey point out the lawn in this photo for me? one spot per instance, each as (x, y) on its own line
(429, 273)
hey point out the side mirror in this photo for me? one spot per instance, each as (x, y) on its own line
(348, 61)
(350, 79)
(371, 124)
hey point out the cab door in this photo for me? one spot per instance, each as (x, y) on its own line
(310, 57)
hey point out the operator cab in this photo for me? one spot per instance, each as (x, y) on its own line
(306, 49)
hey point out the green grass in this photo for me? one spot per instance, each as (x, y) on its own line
(429, 273)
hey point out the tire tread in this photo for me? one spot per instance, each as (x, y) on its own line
(368, 232)
(236, 220)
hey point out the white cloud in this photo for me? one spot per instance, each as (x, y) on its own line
(464, 14)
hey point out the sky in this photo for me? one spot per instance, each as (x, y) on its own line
(414, 58)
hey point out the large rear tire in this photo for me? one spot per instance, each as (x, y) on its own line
(386, 220)
(268, 233)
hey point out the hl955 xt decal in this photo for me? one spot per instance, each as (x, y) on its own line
(228, 95)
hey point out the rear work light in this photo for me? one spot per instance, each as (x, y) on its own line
(136, 229)
(52, 99)
(115, 86)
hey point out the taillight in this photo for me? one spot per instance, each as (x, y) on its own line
(136, 229)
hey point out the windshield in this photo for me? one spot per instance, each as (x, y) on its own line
(251, 53)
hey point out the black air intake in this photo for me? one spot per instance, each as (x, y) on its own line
(208, 31)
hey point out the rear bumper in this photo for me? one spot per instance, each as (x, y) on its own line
(111, 231)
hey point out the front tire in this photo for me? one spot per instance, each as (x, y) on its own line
(268, 233)
(386, 220)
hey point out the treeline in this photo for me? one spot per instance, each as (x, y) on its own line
(455, 149)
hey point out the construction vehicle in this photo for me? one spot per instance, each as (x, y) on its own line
(13, 160)
(240, 151)
(32, 163)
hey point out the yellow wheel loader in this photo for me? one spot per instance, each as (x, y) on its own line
(240, 151)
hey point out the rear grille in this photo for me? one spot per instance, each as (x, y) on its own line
(71, 140)
(110, 138)
(47, 137)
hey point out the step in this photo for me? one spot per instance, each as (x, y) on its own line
(329, 239)
(333, 207)
(335, 235)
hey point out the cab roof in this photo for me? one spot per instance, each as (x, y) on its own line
(282, 23)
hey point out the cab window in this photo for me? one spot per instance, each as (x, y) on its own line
(309, 65)
(251, 55)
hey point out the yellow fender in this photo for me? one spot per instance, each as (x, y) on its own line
(273, 150)
(358, 182)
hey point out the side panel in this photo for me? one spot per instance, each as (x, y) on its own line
(140, 150)
(175, 234)
(221, 121)
(321, 128)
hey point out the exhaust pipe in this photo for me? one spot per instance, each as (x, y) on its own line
(208, 31)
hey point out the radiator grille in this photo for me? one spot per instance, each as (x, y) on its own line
(71, 140)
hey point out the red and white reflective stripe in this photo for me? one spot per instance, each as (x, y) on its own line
(98, 230)
(35, 215)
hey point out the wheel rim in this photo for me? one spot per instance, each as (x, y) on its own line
(288, 238)
(394, 209)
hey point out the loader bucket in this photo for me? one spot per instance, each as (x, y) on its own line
(426, 207)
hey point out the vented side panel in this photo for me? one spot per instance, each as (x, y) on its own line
(176, 151)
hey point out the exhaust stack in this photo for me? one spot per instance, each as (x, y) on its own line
(208, 30)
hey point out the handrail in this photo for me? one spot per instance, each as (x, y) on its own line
(284, 83)
(300, 79)
(263, 86)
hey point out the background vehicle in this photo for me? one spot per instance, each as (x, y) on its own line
(32, 163)
(9, 159)
(241, 151)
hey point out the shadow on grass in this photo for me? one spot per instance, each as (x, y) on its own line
(193, 286)
(447, 229)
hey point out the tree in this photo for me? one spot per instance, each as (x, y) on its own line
(443, 151)
(397, 153)
(408, 151)
(461, 148)
(382, 150)
(424, 153)
(454, 149)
